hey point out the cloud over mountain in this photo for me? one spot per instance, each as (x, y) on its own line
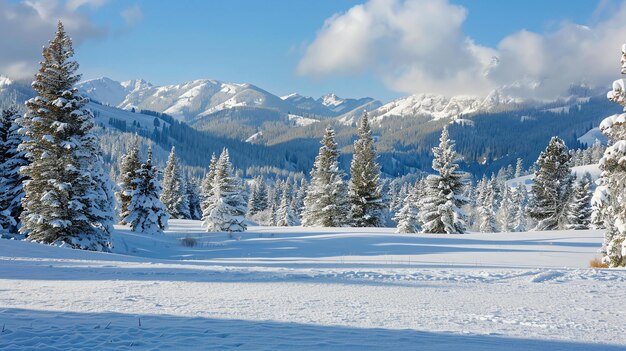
(417, 46)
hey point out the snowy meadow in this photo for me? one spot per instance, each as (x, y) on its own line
(313, 288)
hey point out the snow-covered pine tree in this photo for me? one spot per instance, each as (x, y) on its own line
(609, 199)
(519, 168)
(364, 188)
(63, 196)
(284, 215)
(407, 218)
(258, 197)
(520, 201)
(579, 207)
(551, 187)
(226, 206)
(506, 212)
(193, 199)
(173, 195)
(207, 183)
(129, 165)
(146, 212)
(487, 209)
(325, 203)
(441, 211)
(298, 199)
(11, 180)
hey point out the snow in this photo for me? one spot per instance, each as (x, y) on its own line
(301, 121)
(592, 135)
(579, 171)
(439, 106)
(313, 288)
(254, 137)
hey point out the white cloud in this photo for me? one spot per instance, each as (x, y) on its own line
(132, 15)
(28, 25)
(417, 46)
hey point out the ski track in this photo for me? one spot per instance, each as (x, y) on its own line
(278, 291)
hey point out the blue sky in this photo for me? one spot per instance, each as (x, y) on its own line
(264, 42)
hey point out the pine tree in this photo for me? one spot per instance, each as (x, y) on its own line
(487, 209)
(325, 202)
(63, 202)
(364, 186)
(407, 218)
(520, 201)
(609, 199)
(191, 192)
(551, 187)
(284, 215)
(258, 197)
(173, 196)
(519, 168)
(207, 183)
(441, 211)
(146, 212)
(226, 207)
(128, 168)
(506, 212)
(11, 180)
(579, 207)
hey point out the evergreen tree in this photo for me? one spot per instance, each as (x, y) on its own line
(551, 187)
(146, 212)
(506, 213)
(609, 199)
(325, 202)
(258, 197)
(487, 209)
(11, 180)
(284, 215)
(520, 201)
(191, 192)
(441, 211)
(519, 168)
(174, 197)
(63, 197)
(407, 218)
(226, 206)
(579, 207)
(128, 168)
(207, 183)
(364, 186)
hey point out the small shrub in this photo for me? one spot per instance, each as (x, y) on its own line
(188, 242)
(597, 263)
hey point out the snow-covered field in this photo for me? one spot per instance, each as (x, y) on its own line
(309, 289)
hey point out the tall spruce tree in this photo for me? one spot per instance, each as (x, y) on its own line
(441, 211)
(364, 188)
(579, 207)
(520, 200)
(487, 210)
(285, 216)
(551, 187)
(258, 197)
(407, 218)
(325, 203)
(226, 207)
(173, 196)
(11, 180)
(609, 199)
(207, 183)
(63, 198)
(129, 165)
(193, 199)
(146, 212)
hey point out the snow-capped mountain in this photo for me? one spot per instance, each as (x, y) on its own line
(331, 104)
(111, 92)
(201, 98)
(439, 106)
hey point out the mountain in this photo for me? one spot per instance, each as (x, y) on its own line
(437, 107)
(203, 98)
